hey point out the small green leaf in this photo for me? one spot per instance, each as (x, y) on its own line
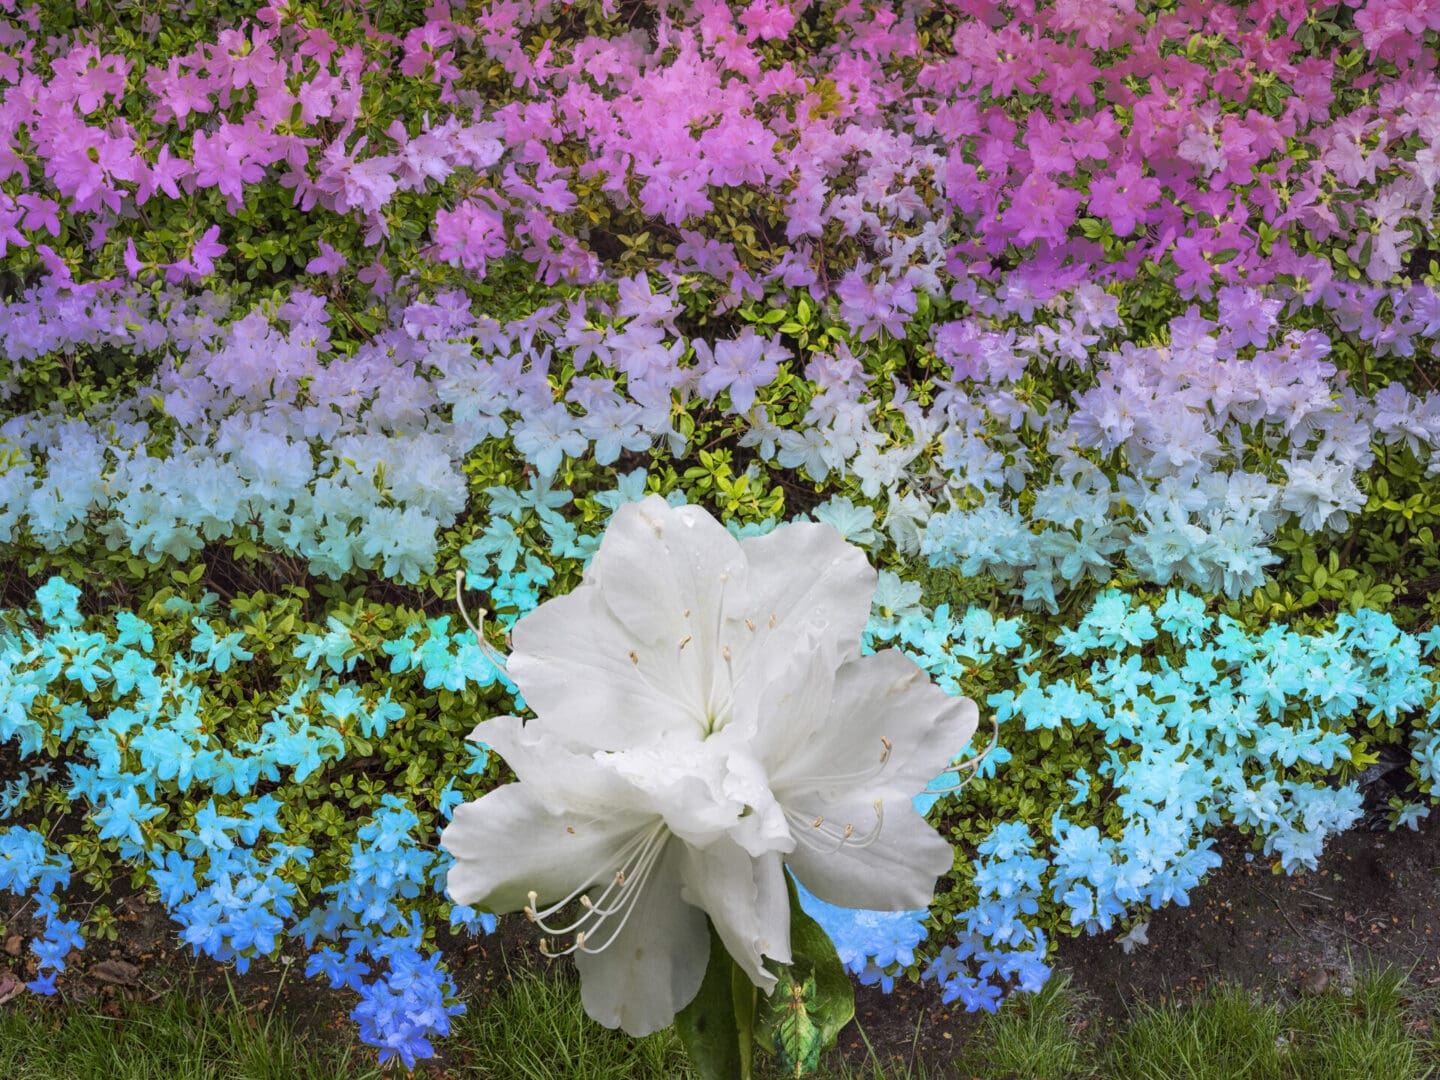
(813, 1000)
(797, 1038)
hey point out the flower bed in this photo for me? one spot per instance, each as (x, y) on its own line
(1106, 330)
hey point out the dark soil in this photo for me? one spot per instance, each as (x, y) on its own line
(1374, 900)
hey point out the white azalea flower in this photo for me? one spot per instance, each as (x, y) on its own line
(703, 718)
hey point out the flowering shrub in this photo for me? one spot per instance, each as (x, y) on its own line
(1106, 330)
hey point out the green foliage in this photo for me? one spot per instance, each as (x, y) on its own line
(187, 1034)
(710, 1026)
(813, 999)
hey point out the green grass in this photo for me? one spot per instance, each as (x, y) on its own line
(179, 1037)
(1376, 1031)
(1036, 1036)
(535, 1029)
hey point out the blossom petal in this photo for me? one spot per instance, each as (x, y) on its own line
(657, 562)
(655, 964)
(884, 695)
(507, 843)
(806, 574)
(747, 902)
(634, 649)
(555, 774)
(896, 873)
(784, 701)
(572, 663)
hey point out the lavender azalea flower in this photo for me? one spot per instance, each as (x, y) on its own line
(704, 718)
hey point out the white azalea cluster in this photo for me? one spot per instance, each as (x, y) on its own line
(704, 718)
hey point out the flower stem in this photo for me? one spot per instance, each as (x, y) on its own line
(744, 994)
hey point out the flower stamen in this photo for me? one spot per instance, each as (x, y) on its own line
(625, 907)
(537, 916)
(860, 776)
(807, 831)
(638, 858)
(486, 649)
(971, 763)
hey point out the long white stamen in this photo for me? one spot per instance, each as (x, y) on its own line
(630, 849)
(807, 831)
(851, 779)
(633, 901)
(636, 858)
(486, 649)
(639, 844)
(631, 886)
(971, 763)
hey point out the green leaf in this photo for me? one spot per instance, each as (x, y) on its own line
(744, 995)
(813, 1000)
(707, 1025)
(797, 1037)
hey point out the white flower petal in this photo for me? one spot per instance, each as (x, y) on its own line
(786, 701)
(896, 873)
(573, 663)
(655, 965)
(807, 575)
(682, 780)
(746, 900)
(560, 777)
(507, 843)
(636, 649)
(657, 562)
(884, 695)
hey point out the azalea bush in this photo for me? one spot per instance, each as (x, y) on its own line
(1105, 331)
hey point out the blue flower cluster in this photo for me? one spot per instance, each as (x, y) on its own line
(410, 997)
(993, 944)
(28, 868)
(1193, 721)
(229, 887)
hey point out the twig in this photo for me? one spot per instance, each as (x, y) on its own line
(1283, 913)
